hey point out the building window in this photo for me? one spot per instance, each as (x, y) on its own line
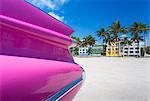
(126, 48)
(136, 51)
(83, 49)
(131, 55)
(137, 48)
(131, 51)
(131, 48)
(126, 52)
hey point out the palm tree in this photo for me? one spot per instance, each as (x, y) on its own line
(137, 30)
(90, 51)
(102, 34)
(126, 42)
(89, 40)
(74, 50)
(137, 38)
(115, 29)
(77, 40)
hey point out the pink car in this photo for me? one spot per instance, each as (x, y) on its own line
(35, 63)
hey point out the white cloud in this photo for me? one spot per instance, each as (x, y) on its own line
(54, 4)
(48, 3)
(57, 5)
(60, 18)
(42, 3)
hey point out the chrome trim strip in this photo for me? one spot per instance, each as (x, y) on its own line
(65, 90)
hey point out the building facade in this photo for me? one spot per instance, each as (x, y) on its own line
(83, 51)
(131, 50)
(95, 50)
(117, 49)
(113, 49)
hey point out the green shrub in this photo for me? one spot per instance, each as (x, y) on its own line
(147, 49)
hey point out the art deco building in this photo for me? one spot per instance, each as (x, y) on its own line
(112, 49)
(117, 49)
(131, 50)
(96, 50)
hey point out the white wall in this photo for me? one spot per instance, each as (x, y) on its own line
(131, 50)
(83, 50)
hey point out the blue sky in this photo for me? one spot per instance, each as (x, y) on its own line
(87, 16)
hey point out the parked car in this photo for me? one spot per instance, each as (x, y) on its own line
(35, 63)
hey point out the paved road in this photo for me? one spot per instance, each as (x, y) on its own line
(115, 79)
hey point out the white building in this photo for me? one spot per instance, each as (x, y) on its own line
(130, 50)
(96, 50)
(83, 51)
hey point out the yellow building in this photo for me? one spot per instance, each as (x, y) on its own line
(112, 49)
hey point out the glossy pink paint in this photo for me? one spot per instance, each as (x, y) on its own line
(34, 79)
(23, 39)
